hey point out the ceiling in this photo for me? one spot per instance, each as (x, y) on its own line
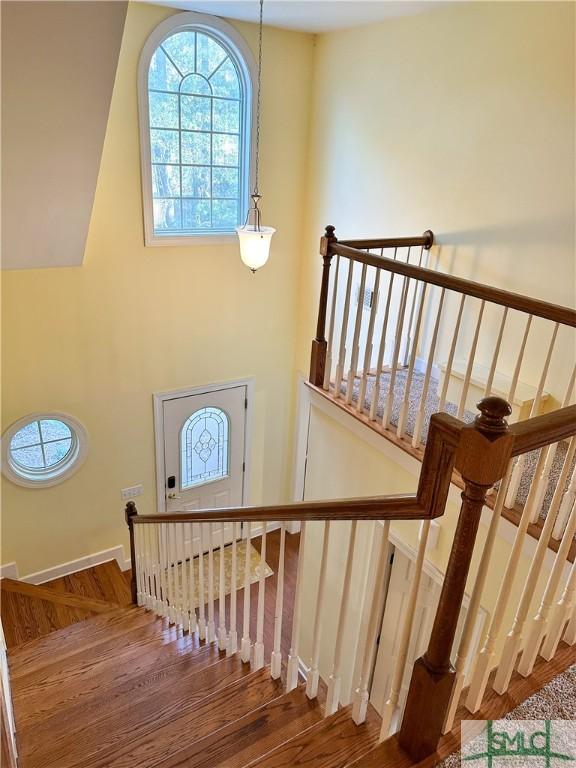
(305, 15)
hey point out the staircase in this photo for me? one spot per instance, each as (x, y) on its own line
(124, 688)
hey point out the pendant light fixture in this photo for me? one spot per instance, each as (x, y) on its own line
(254, 238)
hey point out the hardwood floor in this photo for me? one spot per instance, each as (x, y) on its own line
(30, 611)
(124, 689)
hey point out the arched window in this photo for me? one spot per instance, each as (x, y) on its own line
(204, 442)
(195, 91)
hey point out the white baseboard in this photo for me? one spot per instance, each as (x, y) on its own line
(65, 569)
(256, 529)
(9, 571)
(420, 365)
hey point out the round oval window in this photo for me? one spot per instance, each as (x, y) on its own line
(43, 449)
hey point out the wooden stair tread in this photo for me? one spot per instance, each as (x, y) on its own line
(258, 732)
(60, 644)
(111, 701)
(105, 581)
(214, 712)
(26, 618)
(42, 592)
(160, 707)
(65, 688)
(333, 743)
(120, 650)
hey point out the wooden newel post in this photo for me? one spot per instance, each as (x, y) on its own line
(319, 345)
(482, 455)
(129, 513)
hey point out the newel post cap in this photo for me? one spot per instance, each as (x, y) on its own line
(130, 511)
(330, 231)
(492, 417)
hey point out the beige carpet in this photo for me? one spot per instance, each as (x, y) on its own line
(183, 570)
(555, 701)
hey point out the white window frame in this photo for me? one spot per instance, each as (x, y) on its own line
(50, 477)
(232, 40)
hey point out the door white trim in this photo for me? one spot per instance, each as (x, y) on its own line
(159, 398)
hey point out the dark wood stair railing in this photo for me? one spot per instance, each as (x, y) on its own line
(480, 452)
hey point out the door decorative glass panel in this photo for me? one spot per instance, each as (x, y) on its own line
(204, 442)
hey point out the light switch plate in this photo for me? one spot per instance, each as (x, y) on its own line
(132, 492)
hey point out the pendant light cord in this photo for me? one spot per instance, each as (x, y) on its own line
(258, 100)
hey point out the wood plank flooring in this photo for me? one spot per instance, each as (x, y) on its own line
(124, 689)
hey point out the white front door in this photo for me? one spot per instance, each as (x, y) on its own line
(204, 451)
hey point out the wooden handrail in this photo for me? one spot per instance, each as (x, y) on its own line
(543, 430)
(394, 507)
(536, 307)
(426, 240)
(427, 503)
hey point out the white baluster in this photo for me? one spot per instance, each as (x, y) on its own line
(159, 608)
(330, 344)
(185, 611)
(211, 629)
(470, 366)
(490, 379)
(486, 658)
(222, 634)
(414, 342)
(521, 462)
(560, 614)
(232, 646)
(405, 635)
(293, 656)
(139, 574)
(343, 332)
(314, 672)
(382, 346)
(475, 599)
(565, 507)
(335, 679)
(570, 633)
(516, 375)
(172, 576)
(163, 570)
(515, 637)
(394, 366)
(449, 364)
(551, 455)
(202, 626)
(539, 624)
(259, 644)
(178, 574)
(417, 300)
(192, 582)
(246, 645)
(369, 344)
(276, 660)
(426, 384)
(361, 694)
(149, 601)
(353, 370)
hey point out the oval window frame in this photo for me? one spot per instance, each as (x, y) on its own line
(61, 471)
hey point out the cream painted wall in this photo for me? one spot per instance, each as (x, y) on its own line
(344, 460)
(97, 341)
(460, 119)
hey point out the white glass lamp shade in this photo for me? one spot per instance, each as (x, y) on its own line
(255, 245)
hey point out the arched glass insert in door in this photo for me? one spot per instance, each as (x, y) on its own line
(204, 441)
